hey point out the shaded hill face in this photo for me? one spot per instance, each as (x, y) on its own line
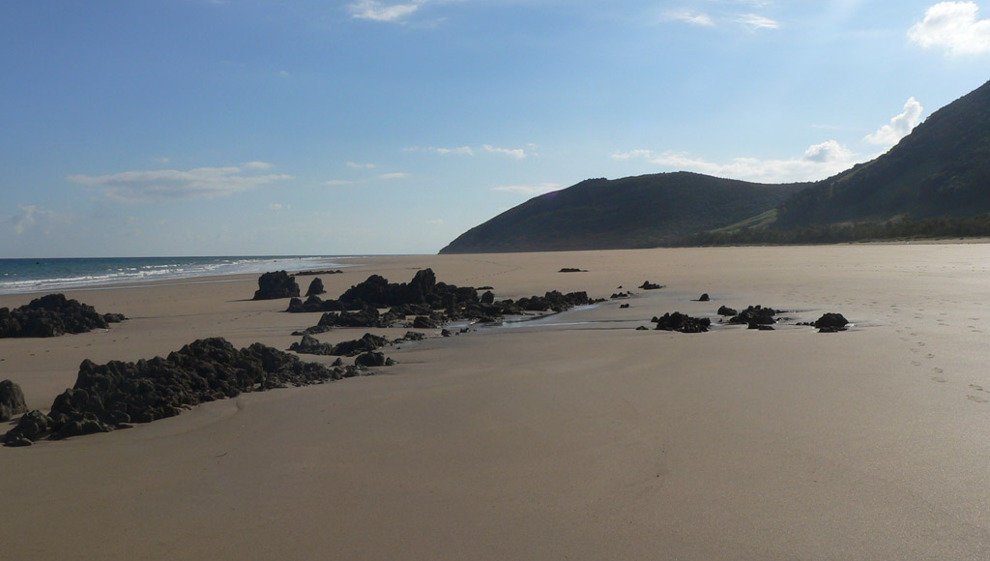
(642, 211)
(941, 168)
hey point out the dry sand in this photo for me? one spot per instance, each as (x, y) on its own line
(572, 438)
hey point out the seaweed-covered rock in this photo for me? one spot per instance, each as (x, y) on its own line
(755, 315)
(726, 311)
(315, 287)
(110, 395)
(311, 346)
(367, 342)
(11, 400)
(278, 284)
(373, 358)
(831, 323)
(682, 323)
(52, 315)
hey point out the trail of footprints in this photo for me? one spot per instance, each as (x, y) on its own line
(978, 394)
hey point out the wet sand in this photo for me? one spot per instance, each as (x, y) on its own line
(575, 437)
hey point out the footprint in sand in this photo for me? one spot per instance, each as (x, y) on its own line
(921, 343)
(977, 399)
(978, 388)
(939, 379)
(937, 370)
(930, 356)
(915, 363)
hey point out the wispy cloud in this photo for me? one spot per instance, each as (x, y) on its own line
(337, 182)
(166, 184)
(356, 165)
(394, 175)
(819, 161)
(458, 151)
(517, 153)
(28, 218)
(537, 189)
(756, 21)
(899, 127)
(374, 10)
(687, 16)
(276, 207)
(954, 27)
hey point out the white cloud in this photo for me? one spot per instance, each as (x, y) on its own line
(393, 175)
(755, 21)
(953, 26)
(158, 185)
(688, 16)
(828, 151)
(28, 217)
(279, 206)
(337, 182)
(819, 161)
(356, 165)
(375, 10)
(458, 151)
(517, 153)
(258, 165)
(899, 127)
(538, 189)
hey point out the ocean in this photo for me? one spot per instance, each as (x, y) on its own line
(46, 275)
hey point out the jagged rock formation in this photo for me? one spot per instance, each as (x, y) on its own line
(52, 315)
(278, 284)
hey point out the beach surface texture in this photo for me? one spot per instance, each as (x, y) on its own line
(575, 436)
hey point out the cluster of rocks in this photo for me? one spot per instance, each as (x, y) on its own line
(112, 395)
(311, 345)
(681, 322)
(279, 284)
(431, 303)
(647, 285)
(756, 317)
(53, 315)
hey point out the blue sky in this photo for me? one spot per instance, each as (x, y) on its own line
(197, 127)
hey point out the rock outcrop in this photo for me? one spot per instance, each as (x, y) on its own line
(315, 288)
(11, 400)
(52, 315)
(279, 284)
(682, 323)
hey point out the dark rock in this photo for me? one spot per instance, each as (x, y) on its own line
(371, 359)
(11, 400)
(642, 328)
(571, 270)
(682, 323)
(726, 311)
(113, 318)
(276, 285)
(757, 315)
(50, 316)
(368, 342)
(488, 298)
(831, 321)
(623, 305)
(424, 322)
(617, 295)
(368, 317)
(704, 298)
(647, 285)
(445, 333)
(315, 287)
(413, 336)
(117, 393)
(311, 346)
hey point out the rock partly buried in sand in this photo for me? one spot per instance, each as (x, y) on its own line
(373, 358)
(52, 315)
(315, 288)
(311, 346)
(755, 315)
(704, 298)
(623, 306)
(726, 311)
(278, 284)
(571, 270)
(111, 395)
(11, 400)
(367, 342)
(424, 322)
(682, 323)
(617, 295)
(831, 323)
(647, 285)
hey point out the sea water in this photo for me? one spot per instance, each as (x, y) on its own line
(41, 275)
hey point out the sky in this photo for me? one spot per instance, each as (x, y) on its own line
(253, 127)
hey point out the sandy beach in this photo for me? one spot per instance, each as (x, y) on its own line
(573, 437)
